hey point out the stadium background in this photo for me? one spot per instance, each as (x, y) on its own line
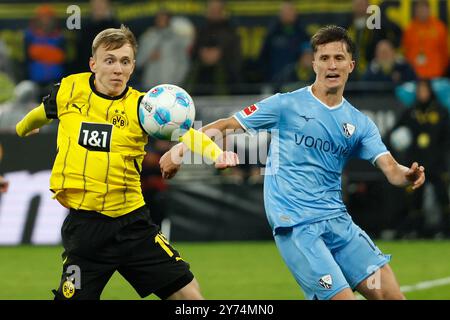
(203, 207)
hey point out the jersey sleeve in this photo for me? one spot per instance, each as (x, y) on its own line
(371, 146)
(50, 104)
(34, 119)
(262, 115)
(139, 115)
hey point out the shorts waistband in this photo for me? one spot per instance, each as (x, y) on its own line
(98, 215)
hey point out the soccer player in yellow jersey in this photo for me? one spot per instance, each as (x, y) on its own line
(96, 174)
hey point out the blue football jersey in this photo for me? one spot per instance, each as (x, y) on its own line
(311, 143)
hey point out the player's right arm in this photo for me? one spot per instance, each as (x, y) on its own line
(400, 175)
(201, 142)
(215, 131)
(221, 126)
(41, 115)
(31, 123)
(263, 115)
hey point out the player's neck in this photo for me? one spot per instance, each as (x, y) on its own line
(328, 97)
(104, 90)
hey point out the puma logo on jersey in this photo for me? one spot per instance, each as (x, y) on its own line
(77, 107)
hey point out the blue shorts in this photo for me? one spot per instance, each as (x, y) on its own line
(328, 256)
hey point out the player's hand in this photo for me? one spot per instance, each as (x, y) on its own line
(416, 175)
(170, 162)
(227, 159)
(32, 132)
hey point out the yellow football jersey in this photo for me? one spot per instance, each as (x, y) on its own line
(100, 147)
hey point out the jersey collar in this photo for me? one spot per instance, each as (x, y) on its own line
(102, 95)
(323, 104)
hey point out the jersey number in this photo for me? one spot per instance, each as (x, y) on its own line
(162, 241)
(95, 136)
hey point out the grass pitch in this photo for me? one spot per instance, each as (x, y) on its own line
(228, 270)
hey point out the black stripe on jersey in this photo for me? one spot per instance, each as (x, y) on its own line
(106, 182)
(107, 111)
(126, 97)
(70, 97)
(89, 104)
(49, 101)
(137, 109)
(104, 96)
(84, 179)
(125, 180)
(64, 166)
(136, 166)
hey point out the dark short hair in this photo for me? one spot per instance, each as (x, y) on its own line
(332, 33)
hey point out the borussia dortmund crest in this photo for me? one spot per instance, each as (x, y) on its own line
(119, 119)
(68, 288)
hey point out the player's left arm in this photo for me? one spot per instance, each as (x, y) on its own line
(399, 175)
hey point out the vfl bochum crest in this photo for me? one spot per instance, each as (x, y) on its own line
(326, 281)
(349, 129)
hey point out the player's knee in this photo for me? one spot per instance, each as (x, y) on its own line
(192, 291)
(189, 292)
(385, 295)
(392, 295)
(345, 294)
(195, 285)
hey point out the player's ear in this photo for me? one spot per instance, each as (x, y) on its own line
(92, 64)
(314, 66)
(134, 66)
(352, 66)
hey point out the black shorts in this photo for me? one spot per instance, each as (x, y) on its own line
(95, 246)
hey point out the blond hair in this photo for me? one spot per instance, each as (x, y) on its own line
(113, 39)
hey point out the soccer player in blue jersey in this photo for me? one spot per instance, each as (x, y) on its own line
(318, 131)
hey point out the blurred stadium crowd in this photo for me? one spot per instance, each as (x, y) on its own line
(208, 51)
(208, 48)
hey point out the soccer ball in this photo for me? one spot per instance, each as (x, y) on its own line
(166, 112)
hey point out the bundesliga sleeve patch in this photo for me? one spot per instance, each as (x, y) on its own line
(248, 111)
